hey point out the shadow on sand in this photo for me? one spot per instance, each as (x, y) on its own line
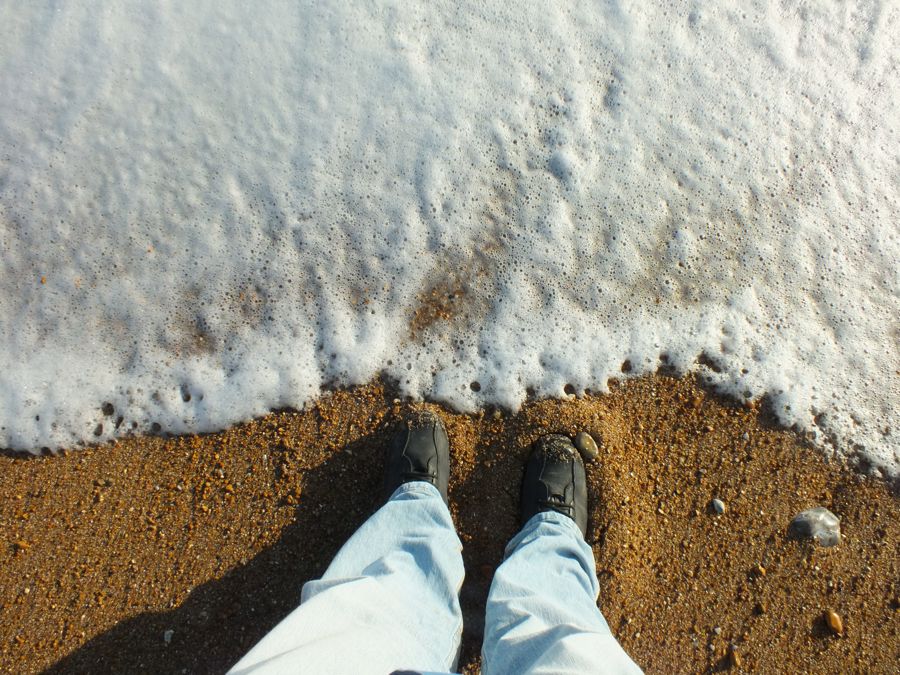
(223, 618)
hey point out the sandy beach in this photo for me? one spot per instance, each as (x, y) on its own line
(177, 554)
(670, 226)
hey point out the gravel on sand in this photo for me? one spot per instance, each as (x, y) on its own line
(178, 554)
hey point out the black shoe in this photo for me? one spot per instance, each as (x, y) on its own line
(421, 451)
(555, 481)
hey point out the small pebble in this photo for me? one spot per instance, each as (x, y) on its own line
(167, 636)
(734, 657)
(818, 524)
(718, 506)
(834, 622)
(717, 630)
(587, 446)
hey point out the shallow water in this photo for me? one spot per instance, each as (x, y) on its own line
(211, 210)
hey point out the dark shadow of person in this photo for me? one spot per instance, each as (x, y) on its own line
(223, 618)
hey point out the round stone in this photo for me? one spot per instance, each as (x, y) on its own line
(818, 524)
(587, 446)
(718, 506)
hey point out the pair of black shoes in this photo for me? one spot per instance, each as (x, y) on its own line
(554, 476)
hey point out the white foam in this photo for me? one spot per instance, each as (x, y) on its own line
(238, 202)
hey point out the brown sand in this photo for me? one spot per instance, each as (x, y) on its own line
(105, 549)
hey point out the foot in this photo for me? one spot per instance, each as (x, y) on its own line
(420, 451)
(555, 481)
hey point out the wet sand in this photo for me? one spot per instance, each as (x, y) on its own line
(107, 549)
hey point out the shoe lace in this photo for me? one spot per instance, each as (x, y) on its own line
(418, 475)
(557, 503)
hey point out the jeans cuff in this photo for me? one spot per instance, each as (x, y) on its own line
(416, 488)
(557, 520)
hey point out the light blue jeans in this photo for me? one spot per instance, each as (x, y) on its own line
(390, 601)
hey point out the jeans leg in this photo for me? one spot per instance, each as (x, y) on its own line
(388, 601)
(542, 614)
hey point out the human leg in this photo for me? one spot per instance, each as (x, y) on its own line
(542, 615)
(390, 598)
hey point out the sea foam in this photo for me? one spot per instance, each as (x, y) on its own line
(211, 209)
